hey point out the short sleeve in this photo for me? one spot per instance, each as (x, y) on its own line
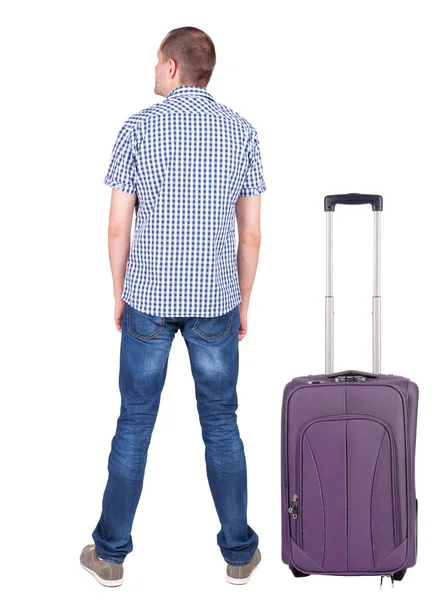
(254, 183)
(121, 172)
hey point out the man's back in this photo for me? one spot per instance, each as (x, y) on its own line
(188, 159)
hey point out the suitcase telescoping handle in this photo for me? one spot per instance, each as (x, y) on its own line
(329, 207)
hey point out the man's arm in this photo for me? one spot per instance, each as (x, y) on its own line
(247, 210)
(119, 231)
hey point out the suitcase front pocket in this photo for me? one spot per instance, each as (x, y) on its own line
(347, 492)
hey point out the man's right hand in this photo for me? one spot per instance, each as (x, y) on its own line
(243, 323)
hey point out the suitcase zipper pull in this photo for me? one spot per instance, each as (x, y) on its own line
(293, 506)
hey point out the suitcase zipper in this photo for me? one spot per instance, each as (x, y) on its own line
(293, 506)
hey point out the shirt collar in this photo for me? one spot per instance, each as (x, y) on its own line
(190, 90)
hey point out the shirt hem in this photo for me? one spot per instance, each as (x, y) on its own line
(147, 309)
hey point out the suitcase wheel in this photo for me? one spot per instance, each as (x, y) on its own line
(399, 575)
(297, 573)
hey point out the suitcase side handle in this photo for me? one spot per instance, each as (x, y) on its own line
(331, 201)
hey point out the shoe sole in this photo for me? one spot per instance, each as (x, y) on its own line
(237, 581)
(105, 582)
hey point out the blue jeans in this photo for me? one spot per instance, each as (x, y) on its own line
(213, 350)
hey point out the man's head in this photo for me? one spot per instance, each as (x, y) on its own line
(186, 56)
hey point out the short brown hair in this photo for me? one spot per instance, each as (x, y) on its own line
(194, 53)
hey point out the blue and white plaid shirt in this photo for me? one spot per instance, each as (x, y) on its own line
(188, 159)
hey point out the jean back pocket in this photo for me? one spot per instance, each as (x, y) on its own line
(142, 325)
(212, 328)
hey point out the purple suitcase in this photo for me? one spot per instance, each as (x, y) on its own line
(348, 444)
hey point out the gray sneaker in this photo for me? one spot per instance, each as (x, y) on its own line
(107, 573)
(242, 573)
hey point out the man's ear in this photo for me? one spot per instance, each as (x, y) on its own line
(172, 67)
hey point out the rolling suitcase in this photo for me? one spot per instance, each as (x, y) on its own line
(348, 443)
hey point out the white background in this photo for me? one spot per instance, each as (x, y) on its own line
(344, 96)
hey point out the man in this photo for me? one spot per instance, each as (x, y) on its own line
(189, 166)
